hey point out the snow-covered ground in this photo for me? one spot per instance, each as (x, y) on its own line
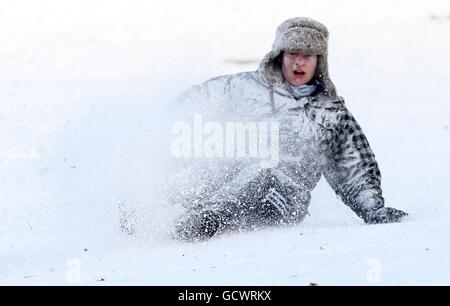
(82, 85)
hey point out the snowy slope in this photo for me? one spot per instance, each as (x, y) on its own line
(82, 85)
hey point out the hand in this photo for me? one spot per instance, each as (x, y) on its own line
(385, 215)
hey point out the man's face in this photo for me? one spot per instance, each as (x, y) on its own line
(298, 68)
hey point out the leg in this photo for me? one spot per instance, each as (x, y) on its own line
(263, 200)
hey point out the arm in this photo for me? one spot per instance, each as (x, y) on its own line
(207, 98)
(353, 173)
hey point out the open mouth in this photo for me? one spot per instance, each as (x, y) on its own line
(299, 73)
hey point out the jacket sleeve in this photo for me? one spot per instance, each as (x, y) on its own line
(207, 98)
(351, 168)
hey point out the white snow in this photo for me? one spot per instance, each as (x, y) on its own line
(81, 88)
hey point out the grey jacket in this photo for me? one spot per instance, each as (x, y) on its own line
(318, 135)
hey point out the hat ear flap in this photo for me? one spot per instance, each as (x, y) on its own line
(270, 68)
(323, 76)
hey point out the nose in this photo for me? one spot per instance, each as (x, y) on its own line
(299, 61)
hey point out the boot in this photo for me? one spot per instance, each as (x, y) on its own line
(197, 226)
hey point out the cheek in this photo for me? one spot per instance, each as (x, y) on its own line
(286, 68)
(286, 64)
(313, 67)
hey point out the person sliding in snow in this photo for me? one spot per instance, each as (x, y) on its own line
(318, 136)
